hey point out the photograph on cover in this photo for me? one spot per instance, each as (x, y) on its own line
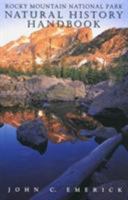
(63, 100)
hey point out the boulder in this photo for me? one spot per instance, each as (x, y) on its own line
(93, 91)
(41, 83)
(113, 117)
(79, 88)
(61, 93)
(111, 107)
(33, 133)
(12, 92)
(115, 97)
(69, 91)
(7, 83)
(11, 99)
(110, 191)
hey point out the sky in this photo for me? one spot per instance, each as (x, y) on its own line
(12, 29)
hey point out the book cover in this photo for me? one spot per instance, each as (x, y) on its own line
(63, 100)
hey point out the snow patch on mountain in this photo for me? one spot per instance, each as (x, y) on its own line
(82, 62)
(101, 60)
(39, 60)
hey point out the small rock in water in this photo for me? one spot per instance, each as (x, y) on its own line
(33, 133)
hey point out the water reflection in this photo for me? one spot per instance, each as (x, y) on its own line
(20, 165)
(63, 122)
(40, 148)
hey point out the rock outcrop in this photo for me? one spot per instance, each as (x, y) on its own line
(66, 92)
(112, 104)
(104, 51)
(93, 91)
(25, 90)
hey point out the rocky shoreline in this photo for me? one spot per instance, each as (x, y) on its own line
(105, 101)
(28, 90)
(23, 90)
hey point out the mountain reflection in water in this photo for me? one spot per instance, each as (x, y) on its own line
(63, 122)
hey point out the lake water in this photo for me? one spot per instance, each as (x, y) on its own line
(22, 166)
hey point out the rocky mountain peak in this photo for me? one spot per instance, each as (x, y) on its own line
(103, 51)
(62, 46)
(41, 46)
